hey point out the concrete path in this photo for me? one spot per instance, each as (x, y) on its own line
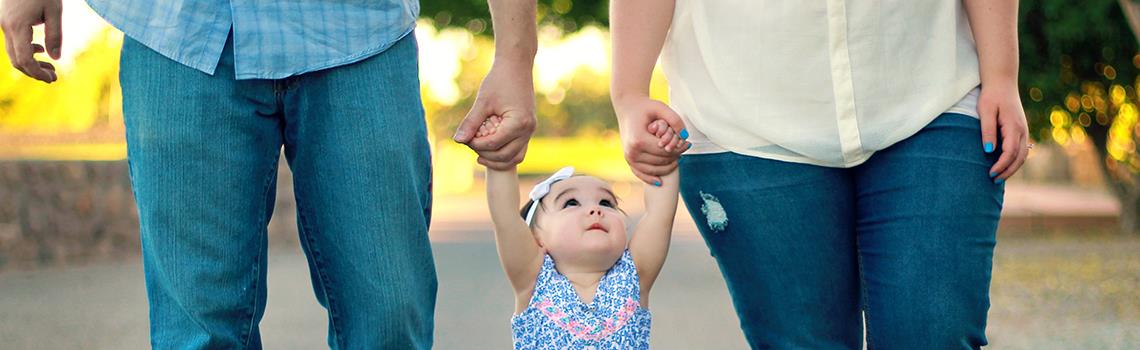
(1076, 290)
(104, 307)
(1048, 293)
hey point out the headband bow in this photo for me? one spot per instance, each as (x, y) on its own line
(543, 188)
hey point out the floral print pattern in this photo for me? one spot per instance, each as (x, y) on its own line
(557, 318)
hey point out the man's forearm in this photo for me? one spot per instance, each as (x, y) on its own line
(994, 24)
(516, 40)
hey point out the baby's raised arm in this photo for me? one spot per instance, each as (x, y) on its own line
(650, 242)
(518, 251)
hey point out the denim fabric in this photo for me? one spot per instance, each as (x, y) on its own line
(905, 240)
(203, 152)
(273, 39)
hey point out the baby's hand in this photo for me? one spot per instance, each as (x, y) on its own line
(666, 137)
(490, 125)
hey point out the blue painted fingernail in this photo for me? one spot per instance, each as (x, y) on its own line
(999, 181)
(989, 147)
(684, 133)
(993, 174)
(657, 183)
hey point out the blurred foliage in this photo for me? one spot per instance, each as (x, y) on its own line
(571, 85)
(1072, 56)
(77, 117)
(88, 98)
(576, 123)
(474, 15)
(1079, 65)
(571, 79)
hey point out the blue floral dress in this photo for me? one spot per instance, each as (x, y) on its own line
(557, 319)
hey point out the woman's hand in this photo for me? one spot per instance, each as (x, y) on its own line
(994, 25)
(999, 107)
(648, 155)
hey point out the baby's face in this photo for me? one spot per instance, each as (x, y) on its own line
(580, 222)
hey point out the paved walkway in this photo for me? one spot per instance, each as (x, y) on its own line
(1072, 291)
(1048, 293)
(104, 307)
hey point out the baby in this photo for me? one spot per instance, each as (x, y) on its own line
(579, 282)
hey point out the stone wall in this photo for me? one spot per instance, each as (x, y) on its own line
(59, 213)
(55, 213)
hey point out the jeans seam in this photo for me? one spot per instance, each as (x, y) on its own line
(270, 174)
(252, 310)
(321, 275)
(866, 296)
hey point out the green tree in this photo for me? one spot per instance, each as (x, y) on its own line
(1079, 66)
(474, 15)
(1078, 77)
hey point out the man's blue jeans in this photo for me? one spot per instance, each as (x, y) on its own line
(203, 153)
(905, 239)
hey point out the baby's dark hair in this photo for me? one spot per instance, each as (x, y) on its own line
(531, 202)
(526, 208)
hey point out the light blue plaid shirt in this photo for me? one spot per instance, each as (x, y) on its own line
(273, 39)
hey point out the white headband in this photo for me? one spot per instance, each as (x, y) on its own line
(543, 188)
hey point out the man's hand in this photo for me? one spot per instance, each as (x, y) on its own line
(507, 94)
(17, 20)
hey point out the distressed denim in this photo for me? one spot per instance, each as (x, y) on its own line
(203, 153)
(905, 240)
